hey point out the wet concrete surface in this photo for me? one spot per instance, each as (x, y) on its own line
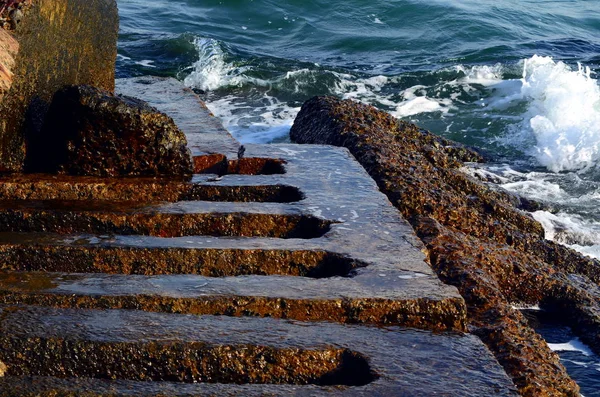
(290, 253)
(363, 226)
(204, 132)
(392, 361)
(43, 187)
(175, 221)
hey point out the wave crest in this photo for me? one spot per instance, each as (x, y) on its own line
(564, 114)
(212, 71)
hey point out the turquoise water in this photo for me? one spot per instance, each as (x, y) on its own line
(514, 78)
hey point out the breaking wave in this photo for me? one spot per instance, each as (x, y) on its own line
(551, 113)
(564, 114)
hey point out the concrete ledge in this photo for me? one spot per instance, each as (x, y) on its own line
(186, 349)
(204, 132)
(278, 254)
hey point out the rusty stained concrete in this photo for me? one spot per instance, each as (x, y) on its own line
(386, 267)
(276, 357)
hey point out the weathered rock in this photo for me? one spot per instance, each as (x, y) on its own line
(476, 237)
(8, 50)
(56, 43)
(12, 12)
(3, 369)
(490, 276)
(91, 132)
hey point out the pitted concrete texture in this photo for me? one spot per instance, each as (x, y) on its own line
(183, 350)
(273, 276)
(58, 43)
(204, 132)
(50, 188)
(369, 255)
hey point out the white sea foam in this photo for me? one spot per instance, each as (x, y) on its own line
(418, 105)
(548, 187)
(482, 74)
(578, 363)
(146, 63)
(417, 102)
(574, 345)
(561, 122)
(560, 125)
(211, 71)
(564, 113)
(376, 19)
(566, 226)
(569, 229)
(259, 124)
(538, 189)
(524, 307)
(414, 99)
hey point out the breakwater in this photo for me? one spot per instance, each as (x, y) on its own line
(152, 253)
(477, 237)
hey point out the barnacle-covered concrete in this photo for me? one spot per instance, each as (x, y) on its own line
(477, 237)
(119, 352)
(356, 235)
(286, 272)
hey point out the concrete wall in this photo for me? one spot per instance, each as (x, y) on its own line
(59, 42)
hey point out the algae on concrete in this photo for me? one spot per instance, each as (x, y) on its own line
(58, 43)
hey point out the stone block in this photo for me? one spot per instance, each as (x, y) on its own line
(57, 43)
(91, 132)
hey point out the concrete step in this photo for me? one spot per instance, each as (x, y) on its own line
(408, 301)
(268, 273)
(151, 353)
(189, 219)
(361, 251)
(40, 187)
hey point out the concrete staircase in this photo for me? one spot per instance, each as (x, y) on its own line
(282, 272)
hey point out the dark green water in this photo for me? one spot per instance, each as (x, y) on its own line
(259, 60)
(515, 78)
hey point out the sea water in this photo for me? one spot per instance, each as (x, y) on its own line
(515, 78)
